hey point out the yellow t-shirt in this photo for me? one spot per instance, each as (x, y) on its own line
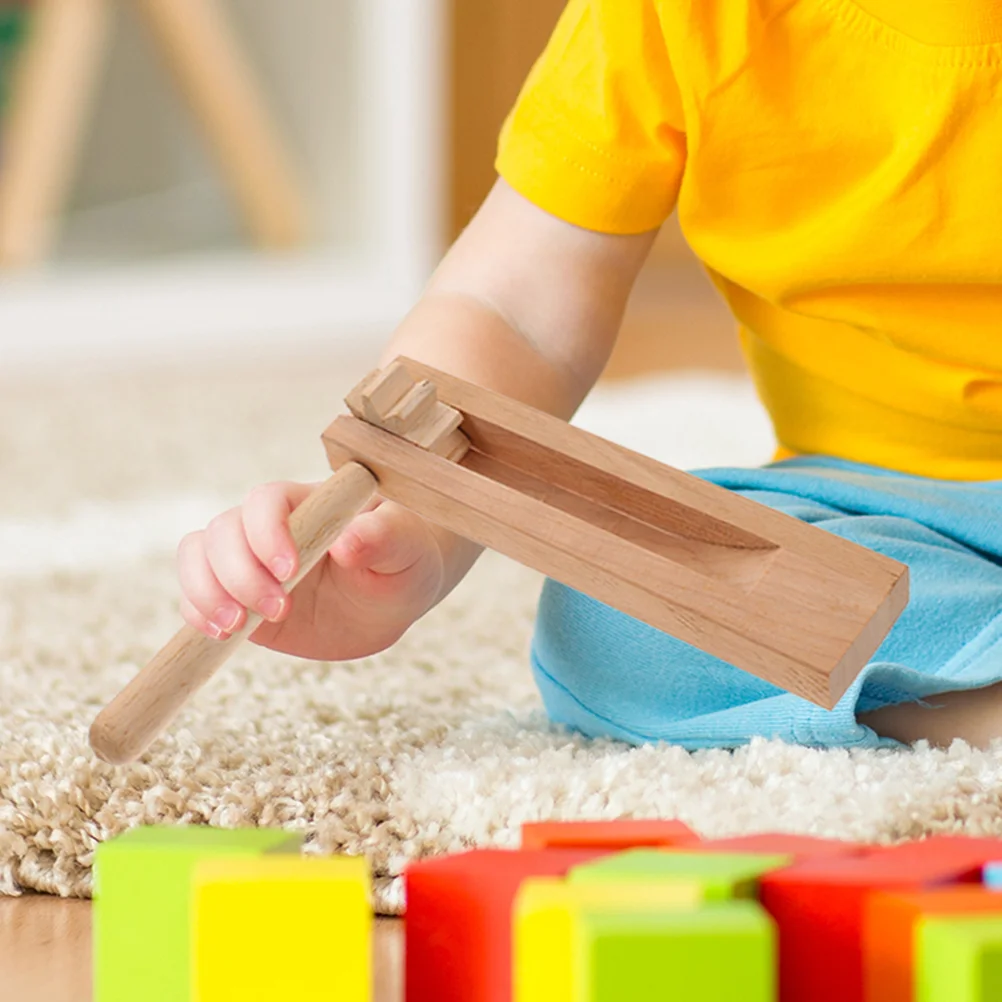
(837, 166)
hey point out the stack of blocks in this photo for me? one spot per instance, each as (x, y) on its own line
(583, 912)
(631, 912)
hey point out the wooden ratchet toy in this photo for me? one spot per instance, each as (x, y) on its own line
(786, 601)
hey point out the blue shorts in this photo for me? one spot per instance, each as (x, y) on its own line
(606, 674)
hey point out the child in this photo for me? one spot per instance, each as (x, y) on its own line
(836, 166)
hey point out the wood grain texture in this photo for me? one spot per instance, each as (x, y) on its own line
(390, 398)
(45, 951)
(141, 711)
(786, 601)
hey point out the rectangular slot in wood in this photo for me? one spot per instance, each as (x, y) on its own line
(593, 480)
(740, 566)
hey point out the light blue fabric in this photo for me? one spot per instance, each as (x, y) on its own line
(606, 674)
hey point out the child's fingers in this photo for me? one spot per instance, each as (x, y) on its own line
(387, 540)
(205, 603)
(240, 572)
(193, 617)
(265, 516)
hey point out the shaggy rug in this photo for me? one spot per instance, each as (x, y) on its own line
(435, 746)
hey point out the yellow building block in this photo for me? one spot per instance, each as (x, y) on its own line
(544, 934)
(272, 928)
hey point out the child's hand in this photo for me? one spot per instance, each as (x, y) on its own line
(384, 571)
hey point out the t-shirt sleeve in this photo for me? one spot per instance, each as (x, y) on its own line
(597, 135)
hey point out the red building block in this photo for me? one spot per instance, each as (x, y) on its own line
(956, 851)
(459, 920)
(605, 834)
(799, 846)
(818, 905)
(889, 931)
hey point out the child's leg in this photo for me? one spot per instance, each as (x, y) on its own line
(607, 675)
(973, 715)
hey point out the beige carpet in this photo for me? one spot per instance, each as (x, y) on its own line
(436, 746)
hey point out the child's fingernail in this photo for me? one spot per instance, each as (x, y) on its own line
(282, 568)
(225, 617)
(214, 631)
(271, 607)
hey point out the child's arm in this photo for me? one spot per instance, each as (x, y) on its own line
(524, 304)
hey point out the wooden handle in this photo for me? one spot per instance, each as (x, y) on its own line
(125, 728)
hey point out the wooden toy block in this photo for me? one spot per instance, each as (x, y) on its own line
(459, 920)
(959, 959)
(721, 875)
(797, 846)
(992, 874)
(546, 910)
(889, 931)
(624, 834)
(818, 905)
(782, 599)
(379, 392)
(719, 953)
(272, 928)
(142, 899)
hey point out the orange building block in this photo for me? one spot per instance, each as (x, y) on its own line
(819, 906)
(889, 934)
(605, 834)
(458, 933)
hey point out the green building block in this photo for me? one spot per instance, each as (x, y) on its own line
(958, 959)
(724, 952)
(723, 875)
(142, 905)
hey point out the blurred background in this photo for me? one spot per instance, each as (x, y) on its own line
(253, 176)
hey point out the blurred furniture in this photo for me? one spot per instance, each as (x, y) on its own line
(494, 43)
(12, 21)
(51, 91)
(392, 109)
(150, 264)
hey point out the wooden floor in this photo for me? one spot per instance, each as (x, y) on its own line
(45, 952)
(675, 321)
